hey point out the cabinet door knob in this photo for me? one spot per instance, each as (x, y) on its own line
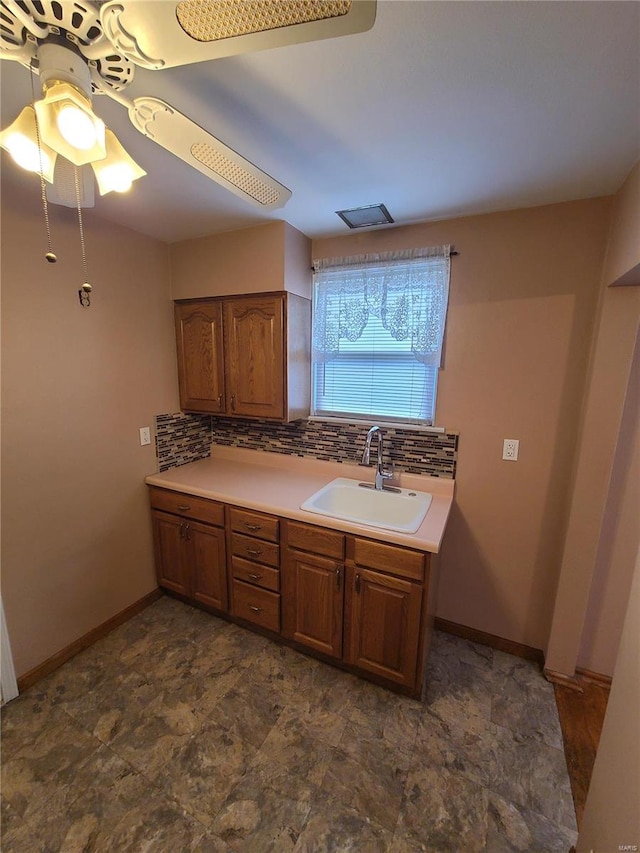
(233, 402)
(358, 582)
(255, 552)
(220, 400)
(187, 530)
(338, 577)
(182, 529)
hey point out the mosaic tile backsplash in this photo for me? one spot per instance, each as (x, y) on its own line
(184, 438)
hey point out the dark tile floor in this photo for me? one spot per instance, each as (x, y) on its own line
(181, 732)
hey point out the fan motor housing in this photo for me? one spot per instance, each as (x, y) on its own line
(76, 25)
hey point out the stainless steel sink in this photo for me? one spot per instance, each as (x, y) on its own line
(402, 510)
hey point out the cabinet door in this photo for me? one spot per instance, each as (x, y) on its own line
(200, 356)
(207, 566)
(384, 619)
(313, 602)
(254, 330)
(168, 540)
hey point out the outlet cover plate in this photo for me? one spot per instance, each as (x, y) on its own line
(510, 449)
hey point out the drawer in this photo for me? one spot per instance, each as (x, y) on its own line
(402, 562)
(255, 524)
(188, 506)
(256, 605)
(318, 540)
(259, 575)
(255, 549)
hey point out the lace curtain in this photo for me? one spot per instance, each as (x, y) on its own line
(408, 290)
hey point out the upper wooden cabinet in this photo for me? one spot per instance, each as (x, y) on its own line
(200, 356)
(254, 356)
(245, 357)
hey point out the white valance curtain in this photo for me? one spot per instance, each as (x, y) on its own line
(407, 290)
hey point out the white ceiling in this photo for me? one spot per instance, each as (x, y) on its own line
(442, 109)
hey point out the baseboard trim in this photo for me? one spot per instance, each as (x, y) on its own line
(55, 661)
(492, 640)
(563, 680)
(596, 677)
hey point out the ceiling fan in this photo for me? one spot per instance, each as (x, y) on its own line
(83, 48)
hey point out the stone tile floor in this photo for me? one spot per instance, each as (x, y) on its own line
(181, 732)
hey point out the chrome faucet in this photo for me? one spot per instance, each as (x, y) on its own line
(381, 473)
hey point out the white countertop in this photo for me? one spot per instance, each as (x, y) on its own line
(278, 484)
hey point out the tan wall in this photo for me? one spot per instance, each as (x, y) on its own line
(297, 262)
(247, 261)
(622, 265)
(611, 816)
(523, 297)
(274, 256)
(619, 541)
(592, 543)
(77, 383)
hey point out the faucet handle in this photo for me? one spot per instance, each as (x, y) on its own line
(388, 472)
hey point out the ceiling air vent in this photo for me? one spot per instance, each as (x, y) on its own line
(362, 217)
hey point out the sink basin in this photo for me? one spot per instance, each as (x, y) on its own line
(402, 511)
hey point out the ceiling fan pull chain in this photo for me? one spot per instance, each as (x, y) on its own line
(84, 294)
(51, 255)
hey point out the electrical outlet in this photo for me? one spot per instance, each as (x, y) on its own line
(145, 435)
(510, 449)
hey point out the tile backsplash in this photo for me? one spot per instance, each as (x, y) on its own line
(184, 438)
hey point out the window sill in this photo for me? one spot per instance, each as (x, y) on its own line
(386, 424)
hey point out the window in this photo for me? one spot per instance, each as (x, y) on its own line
(378, 325)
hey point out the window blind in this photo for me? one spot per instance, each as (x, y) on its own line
(377, 330)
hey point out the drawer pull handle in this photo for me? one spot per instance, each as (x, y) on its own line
(255, 552)
(254, 577)
(183, 507)
(255, 609)
(252, 526)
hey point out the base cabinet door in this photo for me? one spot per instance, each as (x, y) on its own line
(384, 624)
(168, 537)
(206, 561)
(190, 559)
(314, 595)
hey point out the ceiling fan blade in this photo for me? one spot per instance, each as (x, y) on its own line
(163, 34)
(187, 140)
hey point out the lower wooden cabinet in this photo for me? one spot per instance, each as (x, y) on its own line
(190, 554)
(360, 602)
(254, 604)
(171, 568)
(313, 595)
(383, 614)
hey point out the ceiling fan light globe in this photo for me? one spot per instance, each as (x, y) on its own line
(62, 128)
(117, 171)
(117, 178)
(20, 140)
(76, 127)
